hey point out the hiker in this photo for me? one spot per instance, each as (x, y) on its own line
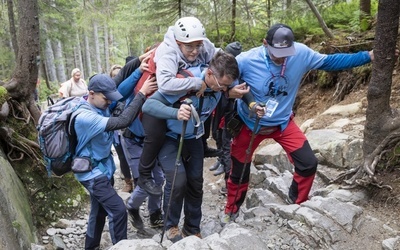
(94, 129)
(132, 145)
(75, 86)
(274, 72)
(188, 188)
(123, 164)
(185, 45)
(220, 134)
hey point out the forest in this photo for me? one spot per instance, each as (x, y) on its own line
(43, 40)
(93, 35)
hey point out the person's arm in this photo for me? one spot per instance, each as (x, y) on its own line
(126, 87)
(128, 115)
(345, 61)
(133, 109)
(159, 107)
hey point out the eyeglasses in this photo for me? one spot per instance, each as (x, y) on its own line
(218, 85)
(190, 48)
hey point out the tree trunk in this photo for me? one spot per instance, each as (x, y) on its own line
(96, 46)
(78, 55)
(321, 21)
(48, 56)
(216, 13)
(106, 48)
(365, 14)
(13, 31)
(59, 61)
(380, 119)
(269, 12)
(233, 21)
(88, 61)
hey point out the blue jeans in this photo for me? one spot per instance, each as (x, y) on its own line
(188, 188)
(133, 151)
(104, 201)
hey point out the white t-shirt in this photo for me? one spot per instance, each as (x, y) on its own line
(71, 88)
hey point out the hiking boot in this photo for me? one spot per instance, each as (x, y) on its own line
(136, 220)
(156, 219)
(128, 188)
(227, 218)
(149, 186)
(220, 170)
(223, 191)
(211, 152)
(215, 166)
(186, 234)
(173, 234)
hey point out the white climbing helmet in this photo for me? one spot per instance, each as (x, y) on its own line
(189, 29)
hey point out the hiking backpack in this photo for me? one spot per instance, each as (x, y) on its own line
(56, 135)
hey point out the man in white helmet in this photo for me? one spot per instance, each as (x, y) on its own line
(185, 46)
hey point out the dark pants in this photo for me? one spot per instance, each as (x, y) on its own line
(188, 188)
(155, 130)
(104, 201)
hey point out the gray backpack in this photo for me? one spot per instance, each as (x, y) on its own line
(57, 137)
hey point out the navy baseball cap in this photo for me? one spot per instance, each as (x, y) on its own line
(104, 84)
(280, 39)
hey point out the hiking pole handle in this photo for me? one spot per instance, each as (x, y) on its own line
(256, 123)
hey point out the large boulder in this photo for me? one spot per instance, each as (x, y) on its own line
(17, 230)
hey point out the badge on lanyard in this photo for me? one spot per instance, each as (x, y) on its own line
(270, 107)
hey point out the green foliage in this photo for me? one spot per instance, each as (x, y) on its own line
(44, 91)
(346, 16)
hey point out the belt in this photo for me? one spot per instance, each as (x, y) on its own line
(268, 130)
(128, 134)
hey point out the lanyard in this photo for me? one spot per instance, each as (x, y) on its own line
(283, 68)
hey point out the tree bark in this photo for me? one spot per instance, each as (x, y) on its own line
(88, 61)
(233, 21)
(106, 48)
(13, 31)
(379, 116)
(96, 46)
(59, 61)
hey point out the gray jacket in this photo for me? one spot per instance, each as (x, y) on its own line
(169, 59)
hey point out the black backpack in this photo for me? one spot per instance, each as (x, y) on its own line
(57, 137)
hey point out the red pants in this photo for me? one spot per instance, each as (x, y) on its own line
(298, 150)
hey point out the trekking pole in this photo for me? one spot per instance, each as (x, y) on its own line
(248, 151)
(177, 163)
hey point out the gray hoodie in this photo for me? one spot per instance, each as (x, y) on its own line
(169, 59)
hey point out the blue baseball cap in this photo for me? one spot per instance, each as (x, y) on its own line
(104, 84)
(280, 39)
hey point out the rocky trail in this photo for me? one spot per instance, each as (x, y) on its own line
(333, 218)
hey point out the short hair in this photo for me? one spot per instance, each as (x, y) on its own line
(114, 70)
(224, 64)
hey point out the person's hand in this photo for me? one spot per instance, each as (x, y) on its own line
(149, 86)
(371, 55)
(200, 93)
(184, 112)
(144, 65)
(260, 110)
(239, 90)
(143, 56)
